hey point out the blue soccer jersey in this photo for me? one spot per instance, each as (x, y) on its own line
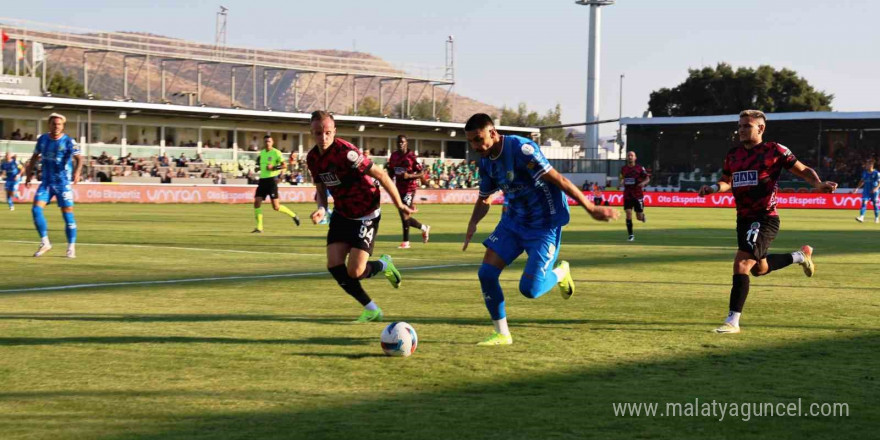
(517, 171)
(871, 181)
(57, 158)
(11, 169)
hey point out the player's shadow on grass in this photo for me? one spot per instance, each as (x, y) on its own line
(577, 403)
(335, 341)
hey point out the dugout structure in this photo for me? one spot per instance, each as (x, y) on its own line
(687, 152)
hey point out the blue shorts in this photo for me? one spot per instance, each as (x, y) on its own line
(12, 185)
(872, 197)
(541, 245)
(63, 194)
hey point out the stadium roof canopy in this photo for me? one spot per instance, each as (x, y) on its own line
(60, 104)
(793, 116)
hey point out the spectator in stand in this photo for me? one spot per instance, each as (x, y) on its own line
(164, 161)
(104, 159)
(180, 172)
(181, 161)
(16, 135)
(166, 178)
(197, 159)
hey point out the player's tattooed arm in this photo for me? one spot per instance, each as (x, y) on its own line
(481, 208)
(77, 168)
(31, 169)
(597, 212)
(379, 174)
(809, 174)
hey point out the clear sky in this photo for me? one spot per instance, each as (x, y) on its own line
(512, 51)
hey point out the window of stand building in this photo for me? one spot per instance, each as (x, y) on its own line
(143, 135)
(456, 150)
(18, 129)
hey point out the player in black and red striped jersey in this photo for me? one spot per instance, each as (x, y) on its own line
(407, 172)
(633, 178)
(348, 174)
(751, 171)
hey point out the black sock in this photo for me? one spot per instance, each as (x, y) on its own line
(778, 261)
(373, 267)
(405, 231)
(629, 226)
(349, 285)
(739, 292)
(414, 223)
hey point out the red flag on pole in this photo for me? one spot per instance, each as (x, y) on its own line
(4, 39)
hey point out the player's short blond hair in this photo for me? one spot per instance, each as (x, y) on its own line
(754, 114)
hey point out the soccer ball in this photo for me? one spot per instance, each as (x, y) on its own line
(399, 339)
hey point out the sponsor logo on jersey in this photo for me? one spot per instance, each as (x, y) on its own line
(399, 170)
(329, 179)
(528, 150)
(745, 178)
(629, 181)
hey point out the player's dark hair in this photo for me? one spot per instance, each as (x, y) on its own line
(320, 115)
(478, 121)
(267, 136)
(401, 136)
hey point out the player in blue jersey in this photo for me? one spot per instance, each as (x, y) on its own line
(61, 167)
(870, 184)
(12, 169)
(536, 211)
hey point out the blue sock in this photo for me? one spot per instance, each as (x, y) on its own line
(492, 293)
(70, 227)
(40, 221)
(537, 285)
(876, 211)
(9, 200)
(863, 209)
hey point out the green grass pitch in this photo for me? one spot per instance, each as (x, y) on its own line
(249, 357)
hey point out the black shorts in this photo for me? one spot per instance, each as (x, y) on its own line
(754, 235)
(633, 203)
(408, 198)
(597, 201)
(267, 188)
(359, 234)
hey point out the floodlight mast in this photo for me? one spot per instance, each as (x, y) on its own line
(591, 134)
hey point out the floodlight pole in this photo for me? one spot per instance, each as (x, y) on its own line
(591, 134)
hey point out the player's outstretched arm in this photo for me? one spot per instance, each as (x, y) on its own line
(809, 174)
(29, 172)
(321, 199)
(597, 212)
(481, 208)
(380, 175)
(723, 185)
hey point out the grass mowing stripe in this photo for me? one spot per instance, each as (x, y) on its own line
(177, 248)
(194, 280)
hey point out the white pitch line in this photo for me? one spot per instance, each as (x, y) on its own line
(195, 280)
(235, 251)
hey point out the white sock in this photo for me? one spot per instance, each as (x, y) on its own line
(71, 246)
(560, 274)
(371, 306)
(798, 257)
(501, 326)
(44, 240)
(424, 227)
(733, 318)
(384, 264)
